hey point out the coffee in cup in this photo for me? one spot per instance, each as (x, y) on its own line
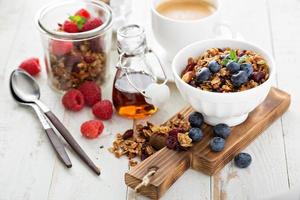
(185, 9)
(177, 23)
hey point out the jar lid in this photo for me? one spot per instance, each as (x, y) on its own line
(48, 17)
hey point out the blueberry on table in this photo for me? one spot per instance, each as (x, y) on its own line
(203, 75)
(222, 130)
(195, 134)
(247, 67)
(217, 144)
(196, 119)
(214, 66)
(233, 67)
(242, 160)
(239, 78)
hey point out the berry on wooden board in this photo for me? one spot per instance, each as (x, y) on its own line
(222, 130)
(196, 119)
(217, 144)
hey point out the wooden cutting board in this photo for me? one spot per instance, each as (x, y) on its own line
(171, 164)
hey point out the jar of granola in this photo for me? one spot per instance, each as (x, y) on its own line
(76, 36)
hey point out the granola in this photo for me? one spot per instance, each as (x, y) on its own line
(226, 70)
(84, 61)
(139, 144)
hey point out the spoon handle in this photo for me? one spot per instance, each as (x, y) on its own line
(54, 139)
(71, 141)
(59, 147)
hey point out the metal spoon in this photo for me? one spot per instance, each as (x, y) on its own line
(27, 90)
(54, 139)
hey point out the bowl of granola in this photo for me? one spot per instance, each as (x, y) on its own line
(223, 79)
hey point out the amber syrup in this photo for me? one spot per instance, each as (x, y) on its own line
(127, 100)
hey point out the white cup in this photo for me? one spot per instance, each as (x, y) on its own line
(174, 34)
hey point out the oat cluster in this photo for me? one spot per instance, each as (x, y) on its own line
(136, 144)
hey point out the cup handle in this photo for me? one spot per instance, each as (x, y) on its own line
(218, 27)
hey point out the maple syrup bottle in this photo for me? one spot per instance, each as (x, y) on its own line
(133, 74)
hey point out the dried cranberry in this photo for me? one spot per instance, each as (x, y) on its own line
(242, 53)
(258, 76)
(174, 132)
(144, 156)
(75, 69)
(89, 59)
(128, 134)
(172, 142)
(71, 61)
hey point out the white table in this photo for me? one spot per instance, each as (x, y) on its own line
(29, 168)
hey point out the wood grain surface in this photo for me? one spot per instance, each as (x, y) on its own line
(171, 164)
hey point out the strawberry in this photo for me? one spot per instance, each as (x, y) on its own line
(103, 110)
(92, 24)
(31, 65)
(70, 27)
(91, 129)
(83, 13)
(60, 48)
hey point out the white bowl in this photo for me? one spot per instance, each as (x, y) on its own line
(229, 108)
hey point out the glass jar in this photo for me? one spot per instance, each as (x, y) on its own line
(73, 58)
(135, 87)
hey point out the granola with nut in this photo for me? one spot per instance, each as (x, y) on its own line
(139, 143)
(84, 61)
(226, 70)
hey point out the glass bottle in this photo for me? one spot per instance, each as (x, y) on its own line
(132, 94)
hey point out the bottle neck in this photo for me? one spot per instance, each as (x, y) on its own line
(131, 40)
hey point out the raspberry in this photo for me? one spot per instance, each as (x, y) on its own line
(60, 48)
(70, 27)
(31, 65)
(103, 110)
(91, 92)
(92, 129)
(83, 13)
(73, 100)
(92, 24)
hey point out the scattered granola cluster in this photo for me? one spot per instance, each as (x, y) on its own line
(226, 70)
(140, 144)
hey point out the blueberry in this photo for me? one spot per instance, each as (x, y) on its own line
(203, 75)
(195, 134)
(222, 130)
(214, 66)
(242, 160)
(196, 119)
(217, 144)
(239, 78)
(233, 67)
(247, 67)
